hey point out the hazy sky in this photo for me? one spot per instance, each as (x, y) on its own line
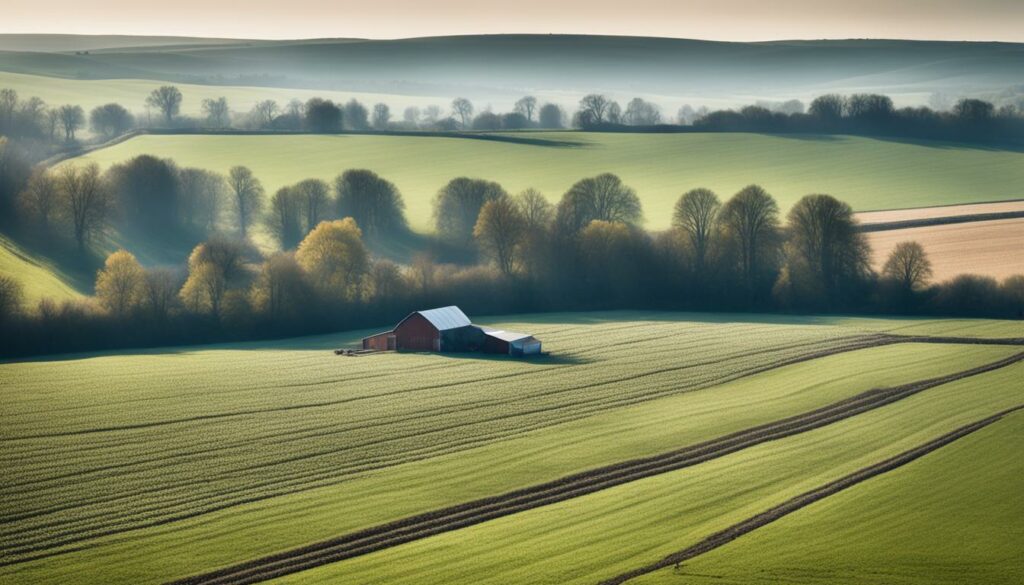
(705, 19)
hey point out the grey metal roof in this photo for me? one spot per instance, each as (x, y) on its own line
(503, 335)
(445, 318)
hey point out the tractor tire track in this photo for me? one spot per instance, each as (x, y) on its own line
(807, 498)
(470, 513)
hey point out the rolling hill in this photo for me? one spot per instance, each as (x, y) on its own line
(497, 68)
(868, 173)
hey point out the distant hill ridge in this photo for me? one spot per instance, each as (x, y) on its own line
(487, 65)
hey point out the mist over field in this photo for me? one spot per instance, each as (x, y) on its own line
(496, 69)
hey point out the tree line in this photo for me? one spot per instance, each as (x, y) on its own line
(588, 251)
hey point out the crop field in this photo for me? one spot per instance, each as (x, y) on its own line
(164, 464)
(132, 93)
(869, 174)
(39, 278)
(940, 212)
(990, 248)
(972, 485)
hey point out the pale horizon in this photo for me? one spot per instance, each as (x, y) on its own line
(724, 20)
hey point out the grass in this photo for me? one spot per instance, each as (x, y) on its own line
(955, 513)
(990, 248)
(867, 173)
(39, 278)
(246, 449)
(600, 535)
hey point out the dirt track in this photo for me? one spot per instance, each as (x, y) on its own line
(474, 512)
(754, 522)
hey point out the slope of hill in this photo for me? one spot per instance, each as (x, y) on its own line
(495, 67)
(867, 173)
(40, 278)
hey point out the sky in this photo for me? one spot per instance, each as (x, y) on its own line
(730, 20)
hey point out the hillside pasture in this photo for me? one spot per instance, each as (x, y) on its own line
(989, 248)
(163, 463)
(867, 173)
(40, 278)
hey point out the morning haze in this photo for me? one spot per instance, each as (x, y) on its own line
(735, 20)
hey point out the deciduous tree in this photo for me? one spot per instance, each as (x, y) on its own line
(247, 196)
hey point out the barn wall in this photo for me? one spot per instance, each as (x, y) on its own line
(495, 345)
(378, 341)
(416, 334)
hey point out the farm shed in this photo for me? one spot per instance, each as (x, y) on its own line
(443, 329)
(510, 342)
(449, 329)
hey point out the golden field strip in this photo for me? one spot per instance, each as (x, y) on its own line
(989, 248)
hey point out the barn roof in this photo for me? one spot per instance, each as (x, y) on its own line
(445, 318)
(503, 335)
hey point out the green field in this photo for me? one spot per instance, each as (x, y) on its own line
(152, 465)
(933, 522)
(39, 278)
(867, 173)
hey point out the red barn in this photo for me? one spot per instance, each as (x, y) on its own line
(444, 329)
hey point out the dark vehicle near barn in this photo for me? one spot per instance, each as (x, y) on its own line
(448, 329)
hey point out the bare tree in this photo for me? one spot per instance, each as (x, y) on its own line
(264, 111)
(596, 107)
(85, 201)
(826, 245)
(457, 206)
(751, 217)
(641, 113)
(41, 198)
(695, 215)
(463, 109)
(908, 266)
(535, 208)
(160, 289)
(356, 117)
(314, 202)
(167, 99)
(526, 106)
(381, 116)
(500, 229)
(603, 198)
(248, 196)
(71, 118)
(285, 218)
(217, 112)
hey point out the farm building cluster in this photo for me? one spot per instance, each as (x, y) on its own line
(448, 329)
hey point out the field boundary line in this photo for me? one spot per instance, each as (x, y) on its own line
(477, 511)
(805, 499)
(937, 221)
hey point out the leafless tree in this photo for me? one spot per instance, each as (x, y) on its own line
(71, 118)
(695, 215)
(314, 202)
(603, 198)
(85, 201)
(264, 111)
(381, 116)
(752, 218)
(41, 198)
(110, 120)
(217, 112)
(526, 106)
(908, 266)
(499, 230)
(167, 99)
(463, 109)
(432, 113)
(411, 115)
(247, 194)
(596, 107)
